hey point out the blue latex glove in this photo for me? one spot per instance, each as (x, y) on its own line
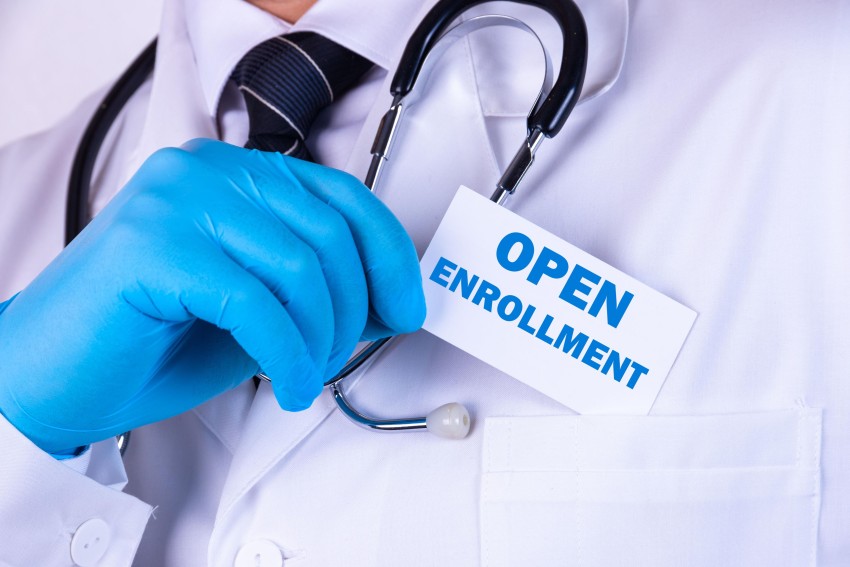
(212, 263)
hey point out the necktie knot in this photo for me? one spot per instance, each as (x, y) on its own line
(286, 81)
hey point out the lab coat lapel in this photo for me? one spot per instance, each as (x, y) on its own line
(268, 435)
(177, 110)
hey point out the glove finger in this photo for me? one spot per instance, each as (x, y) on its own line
(286, 265)
(386, 251)
(218, 290)
(329, 237)
(327, 233)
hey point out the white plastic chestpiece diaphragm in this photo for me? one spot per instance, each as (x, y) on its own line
(450, 421)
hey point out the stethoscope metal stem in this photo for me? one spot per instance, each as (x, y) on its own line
(518, 167)
(383, 143)
(406, 424)
(351, 366)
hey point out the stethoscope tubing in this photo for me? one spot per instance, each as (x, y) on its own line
(77, 214)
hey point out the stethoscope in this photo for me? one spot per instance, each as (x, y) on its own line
(433, 36)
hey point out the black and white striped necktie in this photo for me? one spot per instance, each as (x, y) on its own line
(286, 81)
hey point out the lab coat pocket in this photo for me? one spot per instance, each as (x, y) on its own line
(738, 489)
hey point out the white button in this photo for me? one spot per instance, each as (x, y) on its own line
(90, 542)
(259, 553)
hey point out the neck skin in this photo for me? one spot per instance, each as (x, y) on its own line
(287, 10)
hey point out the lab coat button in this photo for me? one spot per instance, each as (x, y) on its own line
(89, 543)
(259, 553)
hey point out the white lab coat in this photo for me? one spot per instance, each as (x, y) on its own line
(715, 169)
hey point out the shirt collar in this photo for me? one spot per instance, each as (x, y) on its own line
(222, 31)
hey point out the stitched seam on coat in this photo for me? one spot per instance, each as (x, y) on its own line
(816, 476)
(209, 426)
(577, 484)
(482, 527)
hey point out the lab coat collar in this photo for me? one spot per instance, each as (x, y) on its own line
(177, 111)
(268, 435)
(222, 31)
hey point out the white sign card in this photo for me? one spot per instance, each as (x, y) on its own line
(543, 311)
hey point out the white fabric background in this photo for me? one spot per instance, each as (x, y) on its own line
(40, 84)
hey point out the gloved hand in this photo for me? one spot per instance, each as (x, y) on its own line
(212, 263)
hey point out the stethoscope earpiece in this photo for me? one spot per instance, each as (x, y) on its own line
(449, 421)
